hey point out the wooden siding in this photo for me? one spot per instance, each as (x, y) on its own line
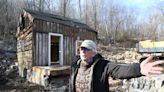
(70, 35)
(40, 50)
(69, 50)
(53, 27)
(36, 42)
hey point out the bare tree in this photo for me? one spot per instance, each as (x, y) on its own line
(96, 9)
(113, 22)
(8, 22)
(80, 8)
(86, 11)
(63, 7)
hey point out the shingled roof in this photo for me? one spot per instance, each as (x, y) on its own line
(58, 19)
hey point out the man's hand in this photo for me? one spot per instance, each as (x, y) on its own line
(148, 66)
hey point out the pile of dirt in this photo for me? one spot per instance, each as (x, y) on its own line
(10, 80)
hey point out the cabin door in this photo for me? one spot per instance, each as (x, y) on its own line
(55, 49)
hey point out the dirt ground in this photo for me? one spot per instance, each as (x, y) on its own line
(18, 84)
(11, 82)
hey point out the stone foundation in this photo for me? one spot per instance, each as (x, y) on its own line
(153, 83)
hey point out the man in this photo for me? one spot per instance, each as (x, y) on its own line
(90, 73)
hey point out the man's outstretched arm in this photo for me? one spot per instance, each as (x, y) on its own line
(148, 66)
(125, 71)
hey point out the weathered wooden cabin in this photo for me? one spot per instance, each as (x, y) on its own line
(45, 39)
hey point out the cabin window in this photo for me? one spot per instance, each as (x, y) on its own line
(26, 24)
(23, 22)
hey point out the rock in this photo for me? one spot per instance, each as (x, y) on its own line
(153, 83)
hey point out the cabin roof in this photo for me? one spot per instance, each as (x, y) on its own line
(59, 19)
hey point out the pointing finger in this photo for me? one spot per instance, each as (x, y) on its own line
(155, 72)
(157, 68)
(157, 62)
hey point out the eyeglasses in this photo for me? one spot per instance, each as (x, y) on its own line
(85, 49)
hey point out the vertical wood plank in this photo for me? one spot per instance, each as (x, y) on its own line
(65, 49)
(33, 48)
(57, 28)
(46, 49)
(37, 47)
(40, 49)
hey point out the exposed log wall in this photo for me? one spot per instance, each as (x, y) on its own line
(24, 50)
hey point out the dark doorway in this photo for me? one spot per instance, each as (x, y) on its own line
(54, 50)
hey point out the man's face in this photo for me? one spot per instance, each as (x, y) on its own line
(86, 54)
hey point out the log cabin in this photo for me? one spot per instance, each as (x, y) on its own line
(46, 40)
